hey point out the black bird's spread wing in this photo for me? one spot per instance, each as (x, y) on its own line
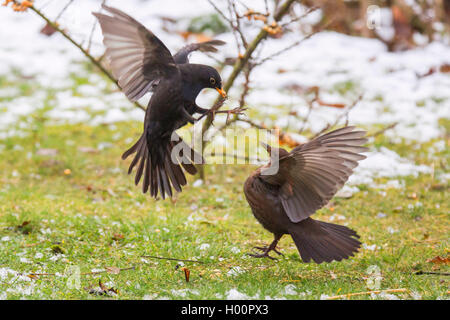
(209, 46)
(311, 174)
(137, 56)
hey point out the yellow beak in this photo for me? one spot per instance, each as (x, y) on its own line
(222, 92)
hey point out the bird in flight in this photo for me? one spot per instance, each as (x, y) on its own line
(141, 63)
(307, 178)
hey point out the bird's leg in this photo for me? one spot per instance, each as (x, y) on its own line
(200, 110)
(187, 116)
(266, 250)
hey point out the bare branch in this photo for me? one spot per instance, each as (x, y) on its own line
(88, 49)
(240, 63)
(291, 46)
(55, 26)
(173, 259)
(391, 126)
(312, 9)
(63, 10)
(340, 117)
(305, 120)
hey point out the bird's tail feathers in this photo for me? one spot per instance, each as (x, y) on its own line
(323, 241)
(161, 165)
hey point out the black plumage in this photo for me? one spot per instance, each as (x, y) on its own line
(307, 178)
(142, 63)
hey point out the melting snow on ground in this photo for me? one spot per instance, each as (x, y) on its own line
(392, 91)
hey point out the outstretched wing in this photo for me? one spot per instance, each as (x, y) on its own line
(311, 174)
(209, 46)
(137, 57)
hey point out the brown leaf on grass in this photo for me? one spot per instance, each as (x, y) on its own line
(187, 273)
(113, 270)
(430, 71)
(47, 152)
(88, 150)
(439, 187)
(117, 236)
(412, 196)
(50, 163)
(439, 260)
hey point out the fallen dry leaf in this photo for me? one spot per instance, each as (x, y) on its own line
(445, 68)
(332, 105)
(117, 236)
(112, 270)
(187, 273)
(439, 260)
(47, 152)
(88, 150)
(412, 196)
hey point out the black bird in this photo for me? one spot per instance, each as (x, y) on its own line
(142, 63)
(307, 178)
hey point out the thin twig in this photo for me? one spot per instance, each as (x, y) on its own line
(305, 120)
(252, 123)
(339, 118)
(312, 9)
(235, 28)
(391, 126)
(173, 259)
(241, 62)
(238, 23)
(366, 293)
(83, 273)
(291, 46)
(79, 46)
(63, 10)
(91, 34)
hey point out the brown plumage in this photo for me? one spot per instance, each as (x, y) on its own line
(307, 178)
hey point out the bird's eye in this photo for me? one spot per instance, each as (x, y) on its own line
(212, 81)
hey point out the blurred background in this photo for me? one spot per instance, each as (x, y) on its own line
(383, 66)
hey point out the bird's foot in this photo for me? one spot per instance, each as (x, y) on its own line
(269, 249)
(213, 112)
(265, 252)
(261, 255)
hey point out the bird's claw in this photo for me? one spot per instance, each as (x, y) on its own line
(265, 252)
(213, 112)
(268, 250)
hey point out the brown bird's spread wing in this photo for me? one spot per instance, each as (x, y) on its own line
(208, 46)
(136, 55)
(312, 173)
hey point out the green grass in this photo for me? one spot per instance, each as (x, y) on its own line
(97, 218)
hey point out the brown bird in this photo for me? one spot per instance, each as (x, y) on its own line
(307, 178)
